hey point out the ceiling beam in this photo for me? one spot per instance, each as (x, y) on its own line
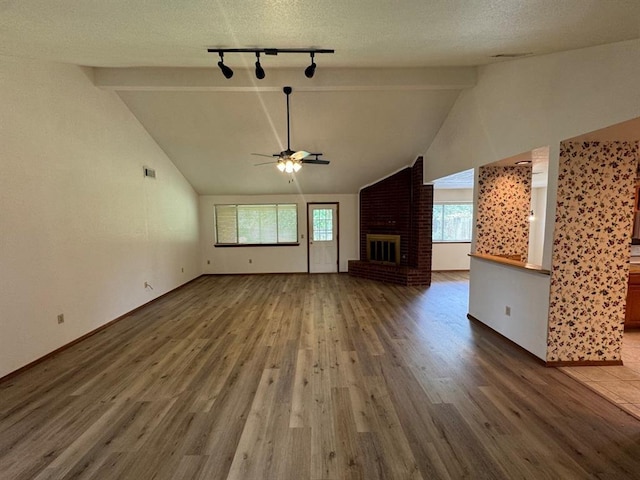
(326, 79)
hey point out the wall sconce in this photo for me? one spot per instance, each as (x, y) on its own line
(228, 73)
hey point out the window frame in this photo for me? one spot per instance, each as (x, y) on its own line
(444, 203)
(237, 244)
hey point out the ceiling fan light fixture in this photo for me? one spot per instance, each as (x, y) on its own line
(289, 161)
(310, 71)
(259, 70)
(288, 166)
(226, 71)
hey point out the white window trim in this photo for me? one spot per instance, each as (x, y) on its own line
(237, 244)
(453, 202)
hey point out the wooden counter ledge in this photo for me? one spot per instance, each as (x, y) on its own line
(511, 263)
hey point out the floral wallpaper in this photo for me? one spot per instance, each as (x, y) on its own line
(593, 224)
(504, 204)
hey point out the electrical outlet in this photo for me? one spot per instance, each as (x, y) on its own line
(507, 311)
(61, 318)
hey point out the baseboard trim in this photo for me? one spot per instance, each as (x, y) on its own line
(584, 363)
(32, 364)
(519, 347)
(218, 274)
(460, 270)
(554, 364)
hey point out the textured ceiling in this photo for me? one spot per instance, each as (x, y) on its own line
(364, 33)
(365, 115)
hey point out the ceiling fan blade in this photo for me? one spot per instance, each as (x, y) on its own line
(264, 163)
(299, 155)
(316, 161)
(264, 155)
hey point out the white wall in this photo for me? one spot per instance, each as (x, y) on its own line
(519, 105)
(451, 256)
(536, 229)
(81, 229)
(274, 259)
(492, 287)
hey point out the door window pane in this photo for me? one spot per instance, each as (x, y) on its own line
(322, 225)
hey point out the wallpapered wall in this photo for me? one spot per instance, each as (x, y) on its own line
(594, 215)
(504, 201)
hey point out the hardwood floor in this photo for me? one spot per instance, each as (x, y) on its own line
(307, 377)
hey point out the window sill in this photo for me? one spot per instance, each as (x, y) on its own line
(234, 245)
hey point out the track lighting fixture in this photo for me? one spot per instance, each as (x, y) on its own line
(259, 69)
(309, 72)
(226, 71)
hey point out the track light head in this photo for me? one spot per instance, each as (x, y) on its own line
(310, 71)
(259, 70)
(226, 71)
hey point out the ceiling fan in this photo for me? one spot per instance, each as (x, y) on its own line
(289, 161)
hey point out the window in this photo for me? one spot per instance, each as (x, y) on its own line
(322, 225)
(452, 222)
(256, 224)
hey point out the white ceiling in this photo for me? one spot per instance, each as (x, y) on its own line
(366, 117)
(364, 33)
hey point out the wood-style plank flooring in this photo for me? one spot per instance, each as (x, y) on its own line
(307, 377)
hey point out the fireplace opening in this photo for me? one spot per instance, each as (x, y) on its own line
(383, 249)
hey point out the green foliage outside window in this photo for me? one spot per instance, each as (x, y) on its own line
(452, 222)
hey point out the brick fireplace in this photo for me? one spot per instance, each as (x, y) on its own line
(398, 208)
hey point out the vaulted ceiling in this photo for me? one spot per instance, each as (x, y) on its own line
(372, 107)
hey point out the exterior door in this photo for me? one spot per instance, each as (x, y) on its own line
(323, 237)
